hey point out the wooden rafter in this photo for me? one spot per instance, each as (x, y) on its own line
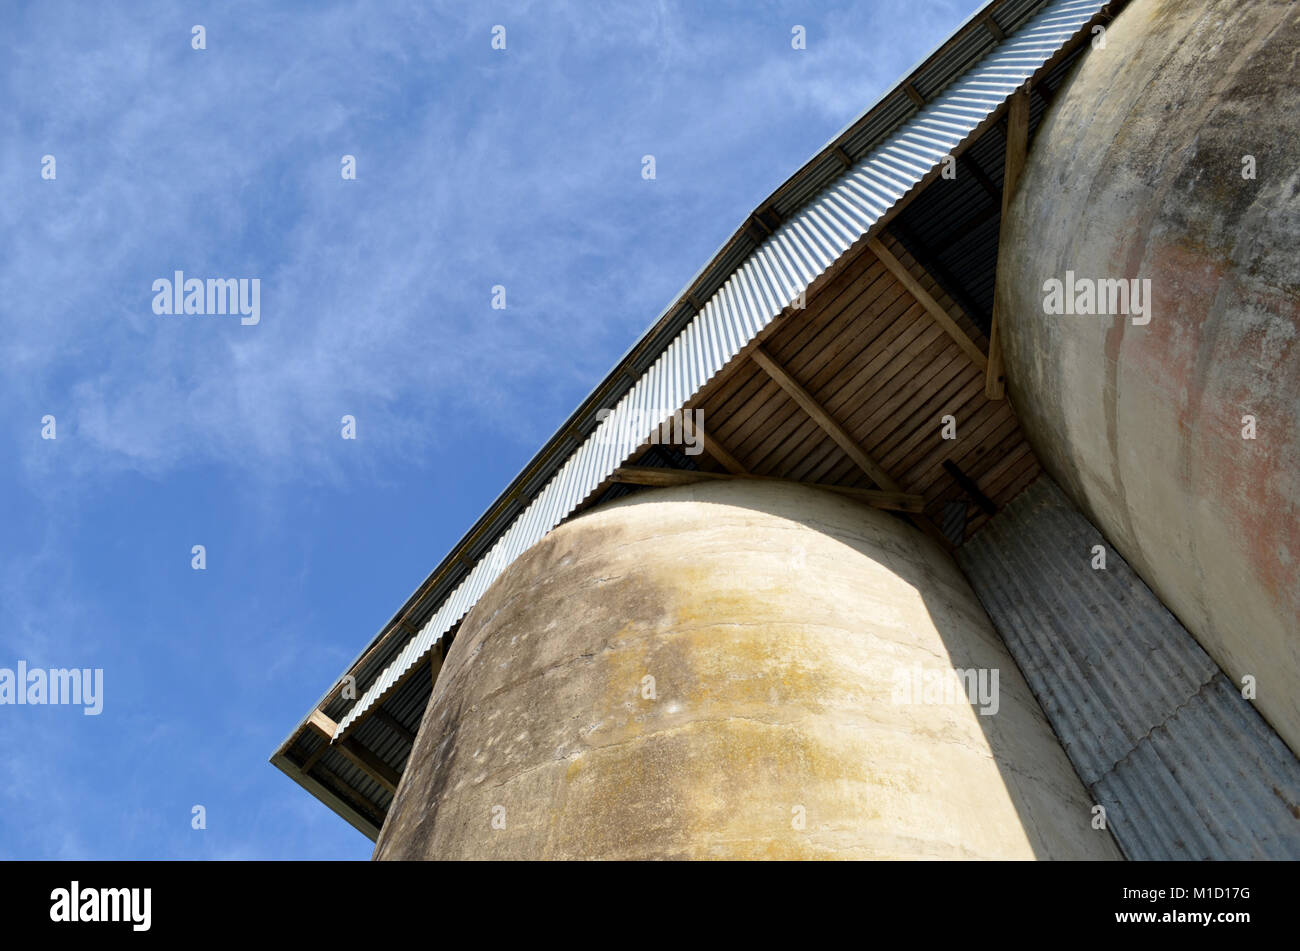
(824, 420)
(436, 656)
(642, 475)
(369, 763)
(1017, 144)
(726, 459)
(396, 725)
(316, 754)
(941, 275)
(970, 487)
(931, 305)
(335, 785)
(358, 755)
(322, 725)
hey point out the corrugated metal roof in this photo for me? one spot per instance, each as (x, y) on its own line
(1185, 767)
(769, 279)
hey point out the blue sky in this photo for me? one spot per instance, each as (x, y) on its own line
(475, 167)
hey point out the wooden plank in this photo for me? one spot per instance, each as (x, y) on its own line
(316, 754)
(992, 476)
(905, 403)
(893, 331)
(357, 754)
(1027, 472)
(644, 475)
(369, 763)
(1004, 472)
(322, 725)
(914, 439)
(874, 411)
(980, 426)
(660, 478)
(793, 443)
(765, 404)
(847, 357)
(716, 450)
(1017, 144)
(904, 360)
(889, 364)
(836, 355)
(940, 315)
(894, 405)
(839, 324)
(836, 270)
(928, 279)
(833, 429)
(394, 724)
(364, 808)
(828, 294)
(970, 486)
(985, 456)
(435, 663)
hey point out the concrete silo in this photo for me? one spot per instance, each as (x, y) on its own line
(1169, 157)
(734, 670)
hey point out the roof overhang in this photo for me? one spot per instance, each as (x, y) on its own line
(878, 173)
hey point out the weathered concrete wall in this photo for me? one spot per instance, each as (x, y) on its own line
(1137, 172)
(775, 622)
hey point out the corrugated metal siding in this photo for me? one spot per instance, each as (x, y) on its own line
(769, 279)
(1184, 766)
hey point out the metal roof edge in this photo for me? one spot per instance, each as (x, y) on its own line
(325, 795)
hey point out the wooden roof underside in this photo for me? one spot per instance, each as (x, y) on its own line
(885, 371)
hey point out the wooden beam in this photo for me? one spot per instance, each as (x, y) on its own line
(1017, 145)
(714, 449)
(348, 797)
(322, 725)
(929, 303)
(977, 173)
(824, 420)
(369, 763)
(358, 755)
(641, 475)
(320, 751)
(971, 487)
(436, 656)
(928, 258)
(396, 725)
